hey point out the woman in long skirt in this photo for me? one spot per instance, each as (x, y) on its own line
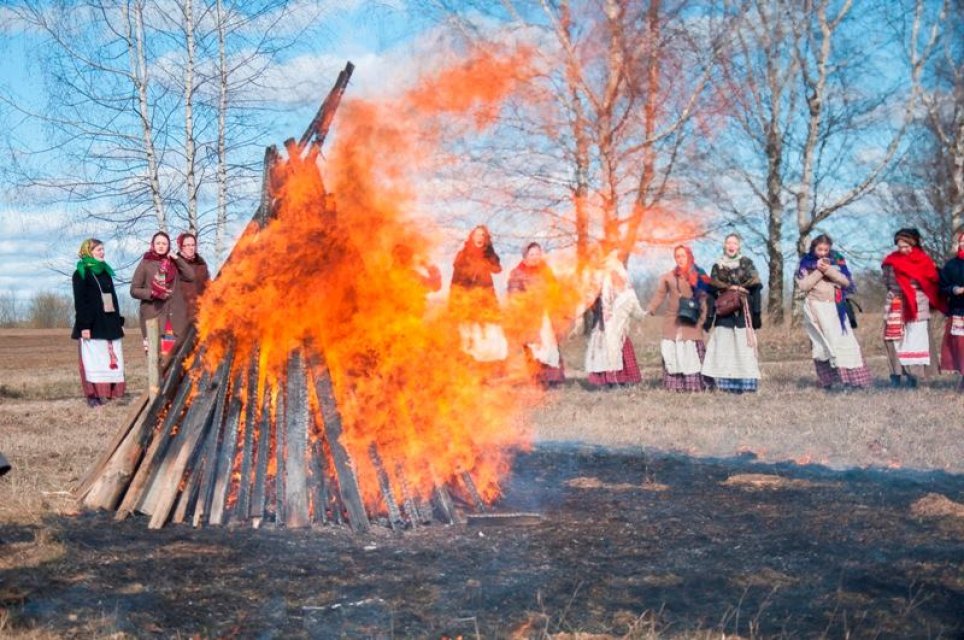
(682, 345)
(610, 358)
(534, 289)
(952, 287)
(98, 326)
(731, 351)
(911, 279)
(473, 301)
(826, 281)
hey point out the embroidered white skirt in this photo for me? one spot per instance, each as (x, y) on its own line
(915, 347)
(95, 354)
(729, 356)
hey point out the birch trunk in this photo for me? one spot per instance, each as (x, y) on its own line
(139, 76)
(189, 144)
(222, 168)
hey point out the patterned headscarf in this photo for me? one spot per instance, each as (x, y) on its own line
(695, 276)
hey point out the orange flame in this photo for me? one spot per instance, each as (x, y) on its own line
(326, 273)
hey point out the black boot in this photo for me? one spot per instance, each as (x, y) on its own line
(894, 380)
(911, 381)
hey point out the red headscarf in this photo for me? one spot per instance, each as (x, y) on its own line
(918, 267)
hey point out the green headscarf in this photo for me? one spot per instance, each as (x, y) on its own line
(89, 262)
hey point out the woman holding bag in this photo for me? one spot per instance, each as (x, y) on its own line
(911, 279)
(685, 290)
(731, 354)
(157, 284)
(98, 326)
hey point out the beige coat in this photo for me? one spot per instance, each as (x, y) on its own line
(667, 290)
(822, 287)
(174, 306)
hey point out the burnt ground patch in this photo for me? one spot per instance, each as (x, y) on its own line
(626, 537)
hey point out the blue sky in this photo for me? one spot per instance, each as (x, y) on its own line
(387, 43)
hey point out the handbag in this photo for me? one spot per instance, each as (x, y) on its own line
(728, 303)
(852, 309)
(689, 308)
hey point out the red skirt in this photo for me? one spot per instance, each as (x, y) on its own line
(952, 350)
(629, 374)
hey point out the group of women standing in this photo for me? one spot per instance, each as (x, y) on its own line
(167, 283)
(725, 305)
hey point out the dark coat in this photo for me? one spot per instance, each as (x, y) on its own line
(89, 308)
(193, 289)
(952, 275)
(746, 276)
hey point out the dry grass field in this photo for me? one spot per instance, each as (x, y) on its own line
(51, 437)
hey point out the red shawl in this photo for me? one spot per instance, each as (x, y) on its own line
(916, 266)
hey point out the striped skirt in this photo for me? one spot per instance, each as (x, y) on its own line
(827, 375)
(628, 375)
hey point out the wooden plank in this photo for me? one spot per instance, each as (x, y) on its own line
(229, 444)
(158, 483)
(280, 461)
(443, 505)
(257, 508)
(158, 445)
(296, 441)
(347, 480)
(395, 520)
(474, 494)
(136, 409)
(153, 357)
(211, 457)
(192, 431)
(251, 416)
(318, 509)
(114, 478)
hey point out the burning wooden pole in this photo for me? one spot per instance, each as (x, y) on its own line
(250, 441)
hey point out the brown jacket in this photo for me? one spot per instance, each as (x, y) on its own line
(174, 307)
(667, 290)
(192, 289)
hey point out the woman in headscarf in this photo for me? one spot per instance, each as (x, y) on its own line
(473, 300)
(682, 344)
(826, 281)
(610, 358)
(193, 289)
(952, 287)
(911, 280)
(158, 284)
(533, 293)
(98, 326)
(731, 351)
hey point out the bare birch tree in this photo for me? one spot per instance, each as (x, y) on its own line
(598, 140)
(810, 135)
(153, 108)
